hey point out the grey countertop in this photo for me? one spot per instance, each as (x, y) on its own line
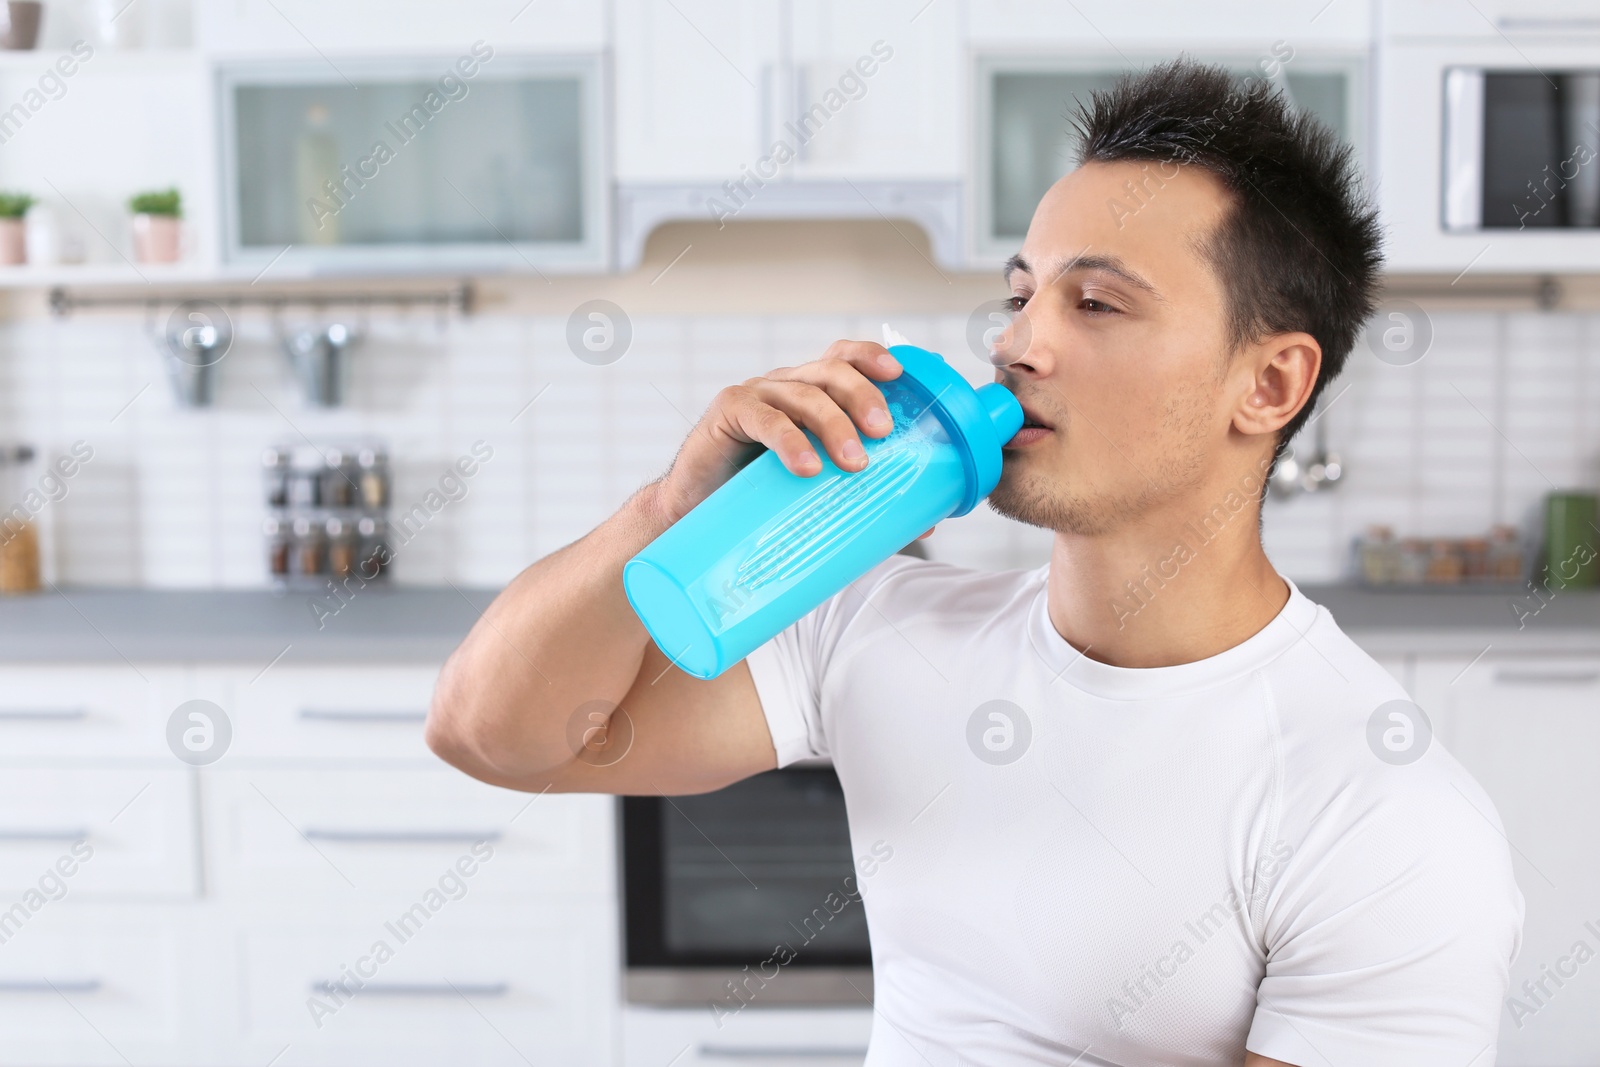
(422, 625)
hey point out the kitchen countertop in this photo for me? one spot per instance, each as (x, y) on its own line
(422, 625)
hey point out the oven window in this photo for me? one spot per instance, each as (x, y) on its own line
(727, 877)
(1540, 138)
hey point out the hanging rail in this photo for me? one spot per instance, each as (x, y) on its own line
(457, 298)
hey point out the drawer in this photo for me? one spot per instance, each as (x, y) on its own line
(336, 713)
(752, 1037)
(469, 985)
(85, 711)
(98, 833)
(116, 988)
(383, 831)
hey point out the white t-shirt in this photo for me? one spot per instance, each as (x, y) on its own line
(1183, 862)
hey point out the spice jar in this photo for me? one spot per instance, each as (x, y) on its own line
(308, 547)
(1507, 561)
(342, 545)
(374, 479)
(305, 478)
(275, 467)
(338, 487)
(374, 551)
(1379, 556)
(19, 538)
(277, 535)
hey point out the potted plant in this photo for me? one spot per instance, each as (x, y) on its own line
(13, 233)
(156, 225)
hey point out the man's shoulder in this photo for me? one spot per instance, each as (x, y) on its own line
(910, 587)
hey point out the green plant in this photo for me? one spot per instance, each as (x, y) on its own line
(15, 205)
(157, 202)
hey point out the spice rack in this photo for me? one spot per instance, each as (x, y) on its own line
(328, 513)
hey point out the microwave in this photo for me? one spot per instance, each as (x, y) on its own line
(744, 897)
(1521, 149)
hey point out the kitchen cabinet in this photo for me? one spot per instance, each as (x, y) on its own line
(193, 915)
(284, 27)
(1174, 26)
(1528, 729)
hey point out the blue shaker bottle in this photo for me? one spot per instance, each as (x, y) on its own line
(769, 545)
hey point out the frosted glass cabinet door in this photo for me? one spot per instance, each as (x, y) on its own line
(414, 162)
(1026, 138)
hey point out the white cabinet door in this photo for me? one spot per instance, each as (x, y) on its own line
(1173, 25)
(1528, 729)
(693, 80)
(878, 90)
(299, 27)
(326, 713)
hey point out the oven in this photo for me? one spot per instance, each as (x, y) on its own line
(746, 896)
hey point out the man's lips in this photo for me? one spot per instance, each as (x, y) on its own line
(1034, 428)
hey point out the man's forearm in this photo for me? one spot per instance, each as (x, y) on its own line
(560, 635)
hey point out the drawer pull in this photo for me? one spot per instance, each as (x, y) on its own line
(1525, 676)
(402, 837)
(338, 715)
(418, 989)
(779, 1052)
(45, 834)
(45, 985)
(43, 714)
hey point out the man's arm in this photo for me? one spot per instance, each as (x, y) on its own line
(1252, 1060)
(531, 698)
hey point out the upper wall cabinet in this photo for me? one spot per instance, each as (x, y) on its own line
(1025, 139)
(296, 27)
(1171, 27)
(479, 161)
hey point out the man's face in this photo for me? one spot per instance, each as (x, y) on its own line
(1121, 350)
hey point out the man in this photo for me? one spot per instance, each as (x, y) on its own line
(1148, 804)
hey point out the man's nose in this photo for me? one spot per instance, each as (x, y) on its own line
(1013, 351)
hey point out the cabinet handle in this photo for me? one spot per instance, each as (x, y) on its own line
(402, 837)
(1528, 676)
(43, 714)
(44, 834)
(419, 989)
(341, 715)
(776, 1052)
(45, 985)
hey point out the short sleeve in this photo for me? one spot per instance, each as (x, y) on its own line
(790, 669)
(1391, 932)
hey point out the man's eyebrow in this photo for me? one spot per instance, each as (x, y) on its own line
(1108, 264)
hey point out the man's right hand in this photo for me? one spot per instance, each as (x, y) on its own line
(834, 397)
(560, 654)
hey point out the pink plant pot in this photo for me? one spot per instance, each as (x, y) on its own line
(156, 238)
(13, 241)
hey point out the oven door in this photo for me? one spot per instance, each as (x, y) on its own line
(747, 895)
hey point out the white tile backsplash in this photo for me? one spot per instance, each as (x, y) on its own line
(1501, 409)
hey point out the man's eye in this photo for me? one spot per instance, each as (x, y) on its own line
(1014, 304)
(1096, 307)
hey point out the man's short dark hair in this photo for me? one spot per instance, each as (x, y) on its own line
(1299, 248)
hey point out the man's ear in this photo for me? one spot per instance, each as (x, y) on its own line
(1276, 376)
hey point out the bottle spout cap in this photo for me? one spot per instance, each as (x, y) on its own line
(1003, 409)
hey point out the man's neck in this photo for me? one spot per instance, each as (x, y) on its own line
(1174, 590)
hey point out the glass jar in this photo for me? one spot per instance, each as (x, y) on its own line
(338, 485)
(374, 552)
(305, 478)
(342, 545)
(1378, 556)
(309, 545)
(277, 535)
(373, 464)
(275, 467)
(19, 537)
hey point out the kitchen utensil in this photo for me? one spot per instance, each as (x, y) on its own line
(318, 358)
(1320, 470)
(193, 347)
(770, 545)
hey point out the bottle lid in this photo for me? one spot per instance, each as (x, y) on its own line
(980, 421)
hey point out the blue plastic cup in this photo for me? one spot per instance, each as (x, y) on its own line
(770, 545)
